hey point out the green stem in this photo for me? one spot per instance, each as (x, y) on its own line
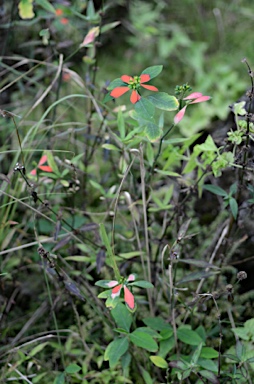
(159, 149)
(111, 255)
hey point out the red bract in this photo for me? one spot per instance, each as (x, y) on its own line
(45, 168)
(196, 97)
(128, 296)
(133, 84)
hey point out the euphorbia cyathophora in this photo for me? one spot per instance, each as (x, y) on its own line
(115, 287)
(116, 291)
(133, 84)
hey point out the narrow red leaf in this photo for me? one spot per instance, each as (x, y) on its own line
(201, 99)
(126, 78)
(112, 283)
(179, 116)
(193, 95)
(135, 97)
(43, 159)
(119, 91)
(116, 291)
(131, 277)
(45, 168)
(150, 87)
(129, 298)
(144, 78)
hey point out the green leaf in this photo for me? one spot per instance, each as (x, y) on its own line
(112, 303)
(188, 336)
(108, 27)
(150, 153)
(242, 333)
(150, 332)
(153, 71)
(209, 353)
(111, 255)
(115, 350)
(157, 323)
(168, 173)
(186, 374)
(182, 365)
(46, 5)
(121, 124)
(166, 346)
(197, 276)
(146, 376)
(97, 186)
(210, 365)
(122, 317)
(215, 189)
(231, 357)
(233, 188)
(208, 145)
(249, 326)
(196, 353)
(198, 263)
(239, 108)
(26, 9)
(107, 98)
(125, 361)
(142, 284)
(51, 161)
(129, 255)
(37, 349)
(116, 83)
(210, 376)
(159, 362)
(164, 101)
(153, 131)
(38, 378)
(143, 340)
(233, 206)
(239, 350)
(90, 10)
(72, 368)
(110, 147)
(103, 283)
(145, 109)
(60, 379)
(166, 333)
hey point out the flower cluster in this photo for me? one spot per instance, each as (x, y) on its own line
(117, 288)
(113, 295)
(133, 84)
(45, 168)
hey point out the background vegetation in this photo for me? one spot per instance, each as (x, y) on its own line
(81, 182)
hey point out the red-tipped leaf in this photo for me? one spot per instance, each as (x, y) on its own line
(126, 78)
(193, 95)
(129, 298)
(201, 99)
(179, 116)
(119, 91)
(144, 78)
(150, 87)
(135, 97)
